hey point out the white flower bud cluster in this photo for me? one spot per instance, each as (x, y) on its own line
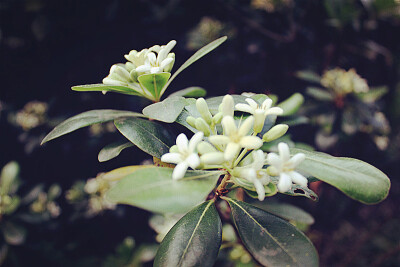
(236, 149)
(155, 59)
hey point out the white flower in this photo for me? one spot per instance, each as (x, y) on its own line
(235, 138)
(185, 156)
(259, 112)
(285, 167)
(150, 62)
(255, 173)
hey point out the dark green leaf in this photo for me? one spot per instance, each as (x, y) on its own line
(373, 94)
(194, 240)
(357, 179)
(196, 56)
(149, 136)
(297, 190)
(87, 118)
(320, 94)
(308, 76)
(154, 189)
(154, 83)
(271, 240)
(190, 92)
(112, 150)
(105, 88)
(167, 110)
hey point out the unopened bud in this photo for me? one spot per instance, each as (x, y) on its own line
(275, 132)
(213, 158)
(218, 118)
(202, 107)
(191, 121)
(205, 147)
(201, 125)
(227, 106)
(272, 171)
(259, 119)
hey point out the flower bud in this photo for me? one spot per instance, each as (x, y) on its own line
(201, 125)
(259, 119)
(202, 107)
(218, 118)
(272, 171)
(191, 121)
(213, 158)
(205, 147)
(227, 106)
(275, 132)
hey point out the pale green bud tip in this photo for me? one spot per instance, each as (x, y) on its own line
(202, 107)
(174, 149)
(227, 106)
(275, 132)
(191, 121)
(218, 118)
(205, 147)
(272, 171)
(201, 125)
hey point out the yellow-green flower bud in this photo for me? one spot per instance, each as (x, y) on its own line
(205, 147)
(174, 149)
(202, 107)
(213, 158)
(275, 132)
(218, 118)
(259, 119)
(201, 125)
(191, 121)
(272, 171)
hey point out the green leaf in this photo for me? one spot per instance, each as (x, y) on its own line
(147, 135)
(271, 240)
(308, 76)
(112, 150)
(373, 94)
(193, 91)
(196, 56)
(87, 118)
(286, 211)
(8, 177)
(167, 110)
(154, 83)
(154, 189)
(194, 240)
(298, 190)
(99, 87)
(320, 94)
(291, 105)
(357, 179)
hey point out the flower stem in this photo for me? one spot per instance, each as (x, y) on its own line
(220, 191)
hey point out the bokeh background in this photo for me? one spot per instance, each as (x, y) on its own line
(274, 46)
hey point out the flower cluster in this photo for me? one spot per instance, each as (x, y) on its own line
(155, 59)
(344, 82)
(235, 147)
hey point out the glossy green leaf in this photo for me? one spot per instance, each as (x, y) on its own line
(147, 135)
(292, 104)
(112, 150)
(298, 190)
(154, 189)
(357, 179)
(194, 240)
(308, 76)
(196, 56)
(193, 91)
(167, 110)
(286, 211)
(154, 83)
(320, 94)
(87, 118)
(271, 240)
(99, 87)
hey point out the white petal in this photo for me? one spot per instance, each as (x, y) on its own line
(259, 119)
(274, 111)
(285, 183)
(260, 189)
(258, 159)
(284, 151)
(194, 141)
(274, 160)
(228, 123)
(244, 108)
(296, 160)
(231, 151)
(246, 126)
(155, 70)
(109, 81)
(266, 104)
(152, 58)
(174, 158)
(228, 105)
(253, 104)
(143, 68)
(299, 179)
(251, 142)
(166, 62)
(182, 142)
(193, 161)
(179, 171)
(247, 173)
(219, 139)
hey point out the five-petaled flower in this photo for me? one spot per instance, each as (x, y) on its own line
(236, 138)
(284, 166)
(184, 154)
